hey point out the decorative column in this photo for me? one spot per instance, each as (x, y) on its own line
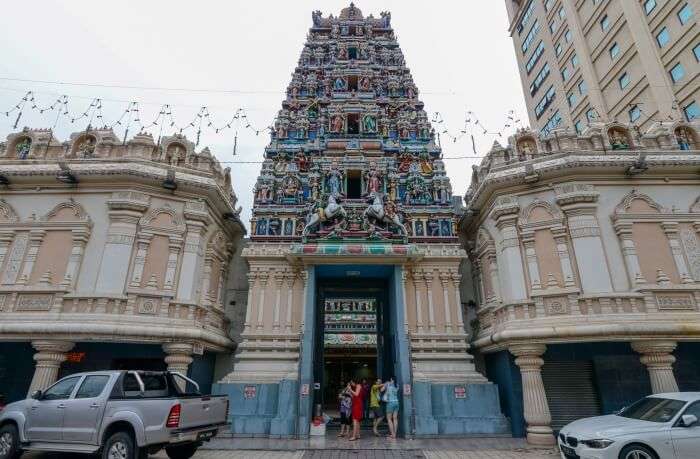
(672, 233)
(417, 278)
(35, 239)
(49, 357)
(456, 277)
(174, 245)
(629, 252)
(142, 245)
(537, 416)
(192, 255)
(493, 273)
(505, 213)
(290, 278)
(444, 280)
(80, 238)
(428, 279)
(178, 359)
(658, 358)
(252, 277)
(5, 241)
(279, 280)
(531, 258)
(206, 280)
(564, 257)
(263, 276)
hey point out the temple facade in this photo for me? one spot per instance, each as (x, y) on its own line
(585, 257)
(354, 258)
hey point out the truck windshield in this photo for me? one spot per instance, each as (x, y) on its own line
(653, 409)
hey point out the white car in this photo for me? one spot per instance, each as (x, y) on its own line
(661, 426)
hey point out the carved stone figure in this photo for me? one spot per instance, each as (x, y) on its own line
(365, 84)
(373, 178)
(384, 211)
(618, 140)
(335, 179)
(337, 123)
(333, 211)
(683, 138)
(426, 165)
(369, 124)
(23, 147)
(340, 84)
(86, 149)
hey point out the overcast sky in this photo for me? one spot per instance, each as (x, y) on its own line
(459, 52)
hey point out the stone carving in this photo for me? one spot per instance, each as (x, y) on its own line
(556, 306)
(670, 301)
(14, 259)
(316, 216)
(381, 210)
(692, 250)
(148, 306)
(34, 302)
(23, 147)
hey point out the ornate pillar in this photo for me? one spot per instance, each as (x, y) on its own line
(178, 359)
(35, 239)
(417, 278)
(5, 241)
(629, 252)
(205, 294)
(672, 233)
(444, 280)
(14, 258)
(279, 280)
(252, 277)
(192, 255)
(142, 245)
(291, 277)
(658, 358)
(49, 357)
(80, 238)
(428, 279)
(173, 254)
(456, 277)
(263, 276)
(493, 273)
(505, 213)
(537, 416)
(531, 258)
(567, 269)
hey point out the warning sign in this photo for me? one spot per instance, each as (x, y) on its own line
(250, 392)
(460, 392)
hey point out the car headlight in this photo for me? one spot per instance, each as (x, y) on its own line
(598, 443)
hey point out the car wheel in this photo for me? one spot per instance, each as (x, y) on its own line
(9, 442)
(637, 452)
(182, 451)
(119, 445)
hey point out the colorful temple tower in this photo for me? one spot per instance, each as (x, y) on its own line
(354, 259)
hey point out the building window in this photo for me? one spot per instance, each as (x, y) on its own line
(635, 113)
(539, 79)
(544, 102)
(663, 37)
(526, 16)
(572, 98)
(548, 4)
(553, 27)
(692, 111)
(614, 50)
(535, 57)
(696, 51)
(578, 126)
(591, 115)
(574, 60)
(605, 23)
(565, 73)
(567, 36)
(624, 80)
(685, 14)
(558, 49)
(582, 88)
(552, 123)
(649, 6)
(677, 73)
(531, 36)
(562, 14)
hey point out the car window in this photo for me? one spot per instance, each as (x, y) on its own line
(92, 386)
(61, 390)
(653, 409)
(693, 409)
(154, 382)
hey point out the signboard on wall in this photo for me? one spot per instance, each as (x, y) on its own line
(250, 392)
(407, 390)
(460, 392)
(304, 390)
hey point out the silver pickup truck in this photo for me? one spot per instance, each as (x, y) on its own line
(118, 414)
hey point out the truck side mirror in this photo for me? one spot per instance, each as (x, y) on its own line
(689, 420)
(36, 395)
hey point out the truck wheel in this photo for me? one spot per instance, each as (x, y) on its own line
(9, 442)
(119, 445)
(182, 452)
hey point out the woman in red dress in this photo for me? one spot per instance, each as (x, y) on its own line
(357, 405)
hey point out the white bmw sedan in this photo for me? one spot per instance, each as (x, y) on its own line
(661, 426)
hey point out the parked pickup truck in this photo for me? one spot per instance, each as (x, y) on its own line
(117, 414)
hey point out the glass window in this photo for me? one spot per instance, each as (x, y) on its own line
(526, 16)
(663, 37)
(693, 409)
(552, 123)
(548, 4)
(582, 88)
(653, 409)
(685, 14)
(92, 386)
(578, 125)
(539, 79)
(635, 113)
(61, 390)
(624, 80)
(553, 27)
(605, 23)
(572, 98)
(591, 115)
(565, 73)
(562, 14)
(574, 60)
(677, 73)
(692, 111)
(649, 6)
(530, 36)
(567, 36)
(614, 50)
(544, 102)
(558, 49)
(535, 57)
(696, 51)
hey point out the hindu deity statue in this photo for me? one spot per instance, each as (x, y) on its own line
(404, 128)
(291, 186)
(373, 179)
(281, 126)
(683, 138)
(343, 52)
(405, 161)
(86, 149)
(302, 162)
(618, 140)
(369, 124)
(334, 178)
(23, 147)
(340, 84)
(319, 55)
(365, 84)
(426, 165)
(337, 124)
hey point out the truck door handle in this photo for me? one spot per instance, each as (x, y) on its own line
(61, 406)
(94, 405)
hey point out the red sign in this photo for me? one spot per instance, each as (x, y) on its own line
(304, 389)
(250, 392)
(407, 390)
(75, 357)
(460, 392)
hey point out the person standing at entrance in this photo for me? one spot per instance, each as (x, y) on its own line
(375, 405)
(391, 396)
(345, 398)
(357, 398)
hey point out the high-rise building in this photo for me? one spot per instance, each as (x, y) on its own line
(354, 260)
(584, 61)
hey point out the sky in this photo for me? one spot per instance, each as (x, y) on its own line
(234, 54)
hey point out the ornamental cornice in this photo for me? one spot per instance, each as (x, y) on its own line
(575, 193)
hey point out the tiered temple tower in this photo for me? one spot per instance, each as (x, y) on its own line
(353, 200)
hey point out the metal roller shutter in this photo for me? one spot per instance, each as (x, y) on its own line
(571, 391)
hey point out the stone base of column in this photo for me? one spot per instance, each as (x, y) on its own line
(540, 436)
(658, 358)
(178, 359)
(49, 357)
